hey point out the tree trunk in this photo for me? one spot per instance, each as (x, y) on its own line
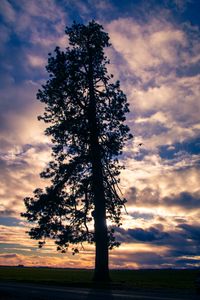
(101, 272)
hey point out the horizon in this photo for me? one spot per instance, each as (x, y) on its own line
(92, 269)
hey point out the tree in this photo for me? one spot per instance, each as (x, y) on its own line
(85, 114)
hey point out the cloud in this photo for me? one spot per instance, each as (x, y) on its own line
(142, 215)
(6, 256)
(29, 259)
(4, 37)
(18, 117)
(188, 262)
(156, 178)
(158, 59)
(150, 235)
(36, 61)
(184, 149)
(192, 231)
(152, 198)
(10, 221)
(36, 22)
(6, 212)
(7, 11)
(20, 169)
(145, 47)
(172, 245)
(166, 99)
(184, 200)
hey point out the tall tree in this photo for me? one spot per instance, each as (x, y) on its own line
(85, 113)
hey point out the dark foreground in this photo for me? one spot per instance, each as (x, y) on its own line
(121, 279)
(24, 291)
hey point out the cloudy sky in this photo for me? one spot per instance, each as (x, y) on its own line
(156, 55)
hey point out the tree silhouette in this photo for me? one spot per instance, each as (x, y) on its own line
(85, 113)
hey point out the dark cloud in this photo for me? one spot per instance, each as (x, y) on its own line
(139, 215)
(185, 199)
(148, 258)
(182, 241)
(39, 147)
(191, 231)
(147, 235)
(147, 196)
(151, 234)
(10, 221)
(154, 128)
(179, 219)
(144, 259)
(13, 165)
(154, 259)
(6, 212)
(8, 255)
(150, 197)
(140, 155)
(187, 262)
(131, 195)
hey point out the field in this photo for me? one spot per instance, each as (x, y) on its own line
(122, 279)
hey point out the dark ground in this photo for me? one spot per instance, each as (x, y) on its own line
(24, 291)
(27, 283)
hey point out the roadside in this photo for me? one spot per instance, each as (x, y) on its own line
(24, 291)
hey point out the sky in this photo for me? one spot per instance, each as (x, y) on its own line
(155, 54)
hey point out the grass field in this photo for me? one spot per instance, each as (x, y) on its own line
(169, 279)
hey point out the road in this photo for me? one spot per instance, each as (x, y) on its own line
(24, 291)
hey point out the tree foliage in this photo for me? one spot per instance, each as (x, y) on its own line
(79, 90)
